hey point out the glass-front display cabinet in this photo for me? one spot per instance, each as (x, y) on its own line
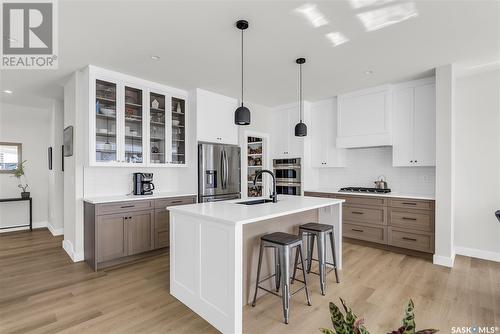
(178, 130)
(105, 122)
(134, 122)
(157, 128)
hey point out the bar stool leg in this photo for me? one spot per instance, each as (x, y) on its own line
(297, 262)
(332, 243)
(321, 260)
(285, 277)
(258, 274)
(310, 248)
(277, 270)
(299, 251)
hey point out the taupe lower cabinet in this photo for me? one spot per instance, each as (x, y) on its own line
(117, 232)
(399, 222)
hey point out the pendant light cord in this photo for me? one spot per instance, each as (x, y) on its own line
(300, 92)
(242, 67)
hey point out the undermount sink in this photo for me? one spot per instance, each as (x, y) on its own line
(255, 201)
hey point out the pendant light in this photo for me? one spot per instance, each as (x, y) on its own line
(300, 128)
(242, 113)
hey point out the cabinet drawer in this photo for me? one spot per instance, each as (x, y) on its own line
(103, 209)
(368, 233)
(416, 240)
(413, 219)
(164, 202)
(362, 200)
(411, 204)
(365, 215)
(162, 239)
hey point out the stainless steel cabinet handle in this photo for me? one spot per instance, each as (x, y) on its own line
(409, 239)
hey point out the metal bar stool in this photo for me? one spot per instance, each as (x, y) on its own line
(319, 231)
(282, 243)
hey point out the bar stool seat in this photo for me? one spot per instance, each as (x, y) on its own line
(316, 227)
(281, 238)
(282, 244)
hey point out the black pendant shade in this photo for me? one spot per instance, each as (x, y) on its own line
(242, 113)
(301, 127)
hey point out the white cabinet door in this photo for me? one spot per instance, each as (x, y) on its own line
(402, 130)
(364, 118)
(279, 135)
(323, 132)
(414, 123)
(425, 125)
(215, 118)
(295, 144)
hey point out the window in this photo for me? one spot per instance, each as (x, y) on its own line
(10, 156)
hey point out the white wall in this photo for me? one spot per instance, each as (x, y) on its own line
(364, 165)
(29, 126)
(477, 161)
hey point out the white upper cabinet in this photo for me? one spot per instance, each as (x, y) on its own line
(215, 118)
(323, 132)
(131, 121)
(283, 141)
(414, 123)
(364, 118)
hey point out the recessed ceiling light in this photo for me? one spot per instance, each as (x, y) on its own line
(155, 57)
(337, 38)
(357, 4)
(386, 16)
(312, 14)
(368, 72)
(7, 91)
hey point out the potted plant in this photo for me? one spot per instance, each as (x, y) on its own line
(350, 324)
(21, 178)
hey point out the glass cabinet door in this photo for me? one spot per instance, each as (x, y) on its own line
(105, 121)
(254, 165)
(178, 131)
(157, 129)
(133, 125)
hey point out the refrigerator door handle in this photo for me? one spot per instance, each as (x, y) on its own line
(223, 169)
(226, 169)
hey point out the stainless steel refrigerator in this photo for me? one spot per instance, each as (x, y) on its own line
(219, 172)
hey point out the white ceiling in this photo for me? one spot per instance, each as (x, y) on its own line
(199, 46)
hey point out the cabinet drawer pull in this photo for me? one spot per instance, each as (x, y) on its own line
(409, 218)
(357, 212)
(409, 203)
(127, 206)
(356, 230)
(176, 202)
(409, 239)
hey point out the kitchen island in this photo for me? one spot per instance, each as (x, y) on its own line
(214, 250)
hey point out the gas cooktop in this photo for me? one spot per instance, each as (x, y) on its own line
(365, 190)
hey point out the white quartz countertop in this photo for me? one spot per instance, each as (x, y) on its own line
(123, 198)
(232, 212)
(391, 194)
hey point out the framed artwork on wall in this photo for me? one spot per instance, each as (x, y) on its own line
(68, 141)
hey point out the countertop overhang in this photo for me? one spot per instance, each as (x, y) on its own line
(394, 194)
(130, 197)
(234, 213)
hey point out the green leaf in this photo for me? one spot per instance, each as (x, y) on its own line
(409, 319)
(427, 331)
(350, 318)
(326, 331)
(337, 319)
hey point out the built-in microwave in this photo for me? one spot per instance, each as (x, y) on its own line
(288, 176)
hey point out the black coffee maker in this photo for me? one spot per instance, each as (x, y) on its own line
(143, 184)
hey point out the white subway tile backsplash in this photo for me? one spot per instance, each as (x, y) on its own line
(365, 165)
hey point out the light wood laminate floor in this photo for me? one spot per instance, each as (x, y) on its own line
(42, 291)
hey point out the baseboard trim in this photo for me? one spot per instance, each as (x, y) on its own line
(478, 253)
(68, 247)
(23, 228)
(55, 231)
(444, 260)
